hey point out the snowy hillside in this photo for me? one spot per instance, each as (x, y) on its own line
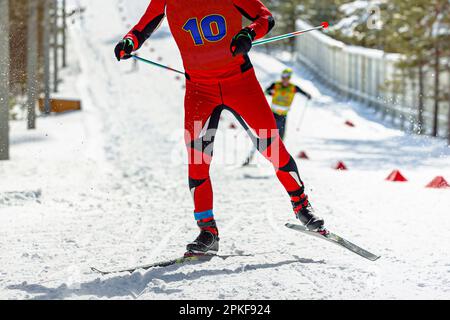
(107, 187)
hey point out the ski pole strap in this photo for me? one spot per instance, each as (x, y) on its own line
(157, 64)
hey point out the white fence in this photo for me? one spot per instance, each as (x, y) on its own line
(371, 77)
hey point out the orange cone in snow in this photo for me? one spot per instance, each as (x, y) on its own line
(303, 155)
(396, 176)
(438, 183)
(341, 166)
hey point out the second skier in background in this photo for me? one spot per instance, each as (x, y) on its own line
(283, 93)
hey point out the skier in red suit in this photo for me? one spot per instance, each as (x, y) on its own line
(220, 76)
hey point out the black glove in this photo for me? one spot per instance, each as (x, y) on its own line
(242, 42)
(124, 49)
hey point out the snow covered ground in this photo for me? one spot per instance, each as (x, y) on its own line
(106, 187)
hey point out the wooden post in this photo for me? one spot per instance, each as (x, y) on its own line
(4, 76)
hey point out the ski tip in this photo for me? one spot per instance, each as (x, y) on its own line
(334, 239)
(296, 226)
(93, 269)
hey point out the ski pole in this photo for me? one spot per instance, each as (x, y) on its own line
(256, 43)
(324, 25)
(303, 116)
(156, 64)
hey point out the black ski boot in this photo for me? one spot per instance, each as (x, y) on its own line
(303, 211)
(310, 221)
(207, 243)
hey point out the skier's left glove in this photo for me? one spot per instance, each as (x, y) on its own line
(124, 49)
(242, 42)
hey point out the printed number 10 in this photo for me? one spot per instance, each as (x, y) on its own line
(205, 31)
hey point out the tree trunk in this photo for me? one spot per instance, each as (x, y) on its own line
(437, 76)
(4, 83)
(292, 25)
(32, 64)
(55, 36)
(448, 121)
(421, 107)
(64, 34)
(17, 40)
(448, 117)
(46, 54)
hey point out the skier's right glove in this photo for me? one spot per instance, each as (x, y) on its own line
(124, 49)
(242, 42)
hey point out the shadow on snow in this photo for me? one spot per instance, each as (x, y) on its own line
(136, 284)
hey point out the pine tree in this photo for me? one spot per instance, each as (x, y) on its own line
(407, 35)
(440, 37)
(315, 12)
(416, 29)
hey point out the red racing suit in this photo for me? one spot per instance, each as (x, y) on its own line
(203, 31)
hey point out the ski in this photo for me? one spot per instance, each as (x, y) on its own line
(333, 238)
(164, 264)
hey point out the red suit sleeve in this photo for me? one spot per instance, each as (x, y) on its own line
(254, 10)
(149, 22)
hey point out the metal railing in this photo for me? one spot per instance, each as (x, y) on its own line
(370, 77)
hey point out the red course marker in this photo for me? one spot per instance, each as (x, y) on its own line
(303, 155)
(325, 25)
(341, 166)
(438, 183)
(349, 123)
(396, 176)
